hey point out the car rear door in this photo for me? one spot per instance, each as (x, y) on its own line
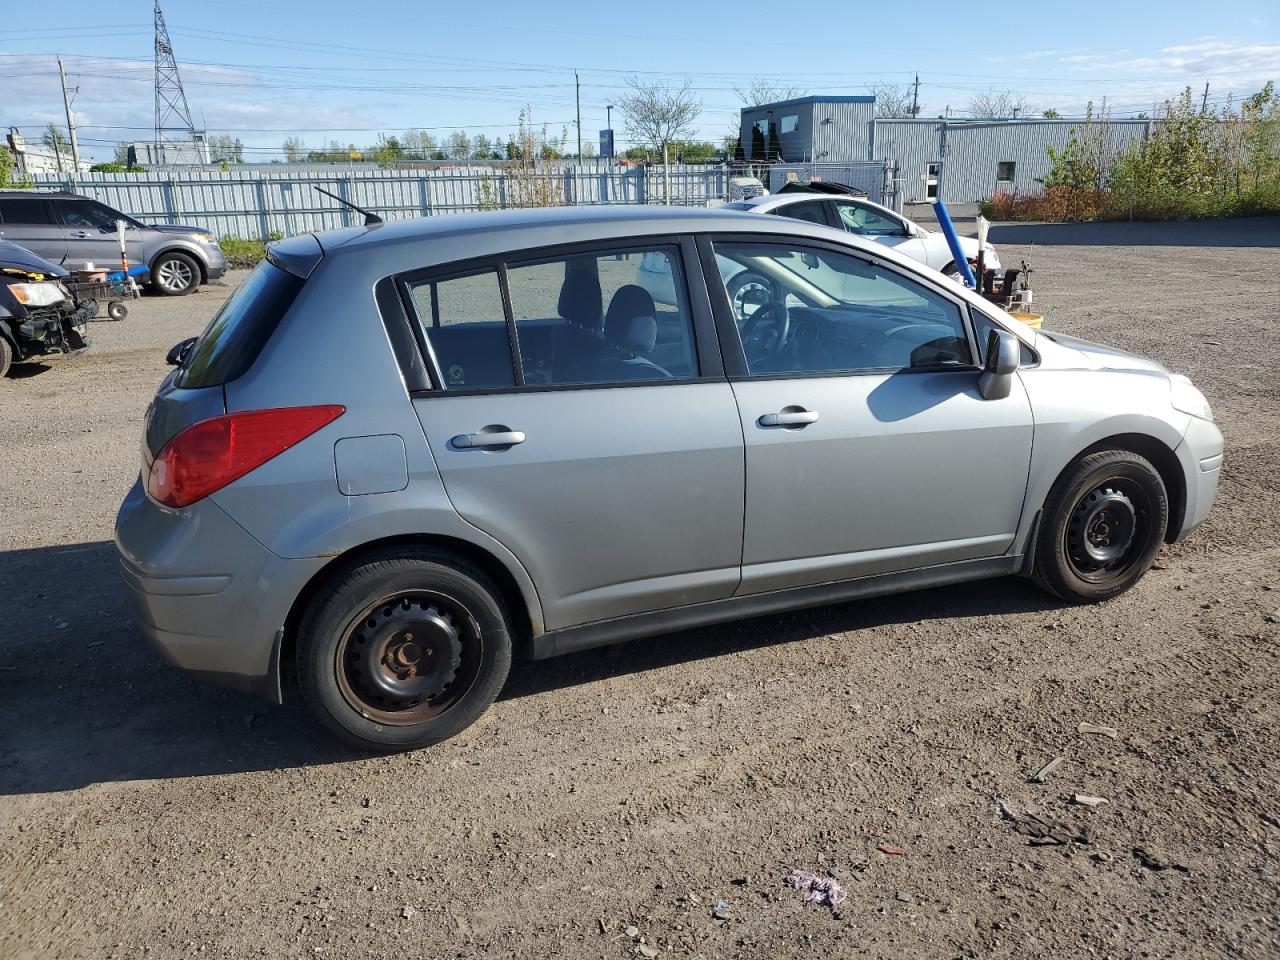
(869, 448)
(588, 429)
(28, 222)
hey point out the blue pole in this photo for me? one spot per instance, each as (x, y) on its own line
(953, 241)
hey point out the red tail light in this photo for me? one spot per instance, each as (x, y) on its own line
(210, 454)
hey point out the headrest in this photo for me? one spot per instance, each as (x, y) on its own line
(580, 298)
(631, 324)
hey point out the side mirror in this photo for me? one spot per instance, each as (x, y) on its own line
(1004, 351)
(178, 354)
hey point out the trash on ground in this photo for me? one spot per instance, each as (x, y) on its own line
(1086, 800)
(891, 851)
(1111, 732)
(647, 951)
(820, 890)
(1041, 775)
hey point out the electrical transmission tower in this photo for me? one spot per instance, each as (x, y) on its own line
(173, 116)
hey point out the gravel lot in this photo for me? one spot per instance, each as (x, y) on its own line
(611, 798)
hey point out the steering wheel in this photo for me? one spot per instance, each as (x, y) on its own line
(764, 333)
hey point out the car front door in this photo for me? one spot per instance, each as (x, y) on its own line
(89, 229)
(869, 448)
(587, 428)
(28, 222)
(865, 221)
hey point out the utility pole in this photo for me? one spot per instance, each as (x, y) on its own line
(71, 124)
(577, 99)
(1204, 101)
(915, 97)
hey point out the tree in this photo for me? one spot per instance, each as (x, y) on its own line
(1000, 105)
(894, 101)
(481, 148)
(418, 144)
(513, 148)
(8, 167)
(775, 145)
(55, 138)
(697, 152)
(225, 150)
(459, 147)
(760, 90)
(1052, 114)
(294, 150)
(122, 154)
(757, 143)
(388, 151)
(1085, 162)
(658, 114)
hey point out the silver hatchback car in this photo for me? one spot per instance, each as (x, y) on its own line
(401, 454)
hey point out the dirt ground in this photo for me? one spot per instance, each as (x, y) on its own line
(611, 799)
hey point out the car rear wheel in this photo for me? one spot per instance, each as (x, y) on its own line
(1102, 526)
(175, 274)
(403, 649)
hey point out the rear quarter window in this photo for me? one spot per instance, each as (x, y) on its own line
(239, 331)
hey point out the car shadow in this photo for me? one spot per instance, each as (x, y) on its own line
(1245, 232)
(25, 371)
(86, 700)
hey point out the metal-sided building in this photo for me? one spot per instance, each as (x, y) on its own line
(962, 161)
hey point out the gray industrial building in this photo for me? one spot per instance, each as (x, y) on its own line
(962, 161)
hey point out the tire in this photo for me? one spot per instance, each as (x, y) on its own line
(1103, 524)
(6, 357)
(175, 274)
(365, 676)
(117, 310)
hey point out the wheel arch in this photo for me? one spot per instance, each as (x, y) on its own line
(508, 588)
(1161, 456)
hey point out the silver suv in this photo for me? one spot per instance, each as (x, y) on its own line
(74, 231)
(401, 454)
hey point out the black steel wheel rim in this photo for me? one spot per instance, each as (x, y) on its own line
(408, 657)
(1107, 530)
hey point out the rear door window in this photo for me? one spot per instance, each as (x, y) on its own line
(239, 331)
(30, 210)
(466, 327)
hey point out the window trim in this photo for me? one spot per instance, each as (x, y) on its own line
(707, 357)
(731, 342)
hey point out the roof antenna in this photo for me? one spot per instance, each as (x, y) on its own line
(369, 218)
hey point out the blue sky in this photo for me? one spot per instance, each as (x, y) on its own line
(326, 70)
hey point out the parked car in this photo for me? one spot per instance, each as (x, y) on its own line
(75, 231)
(400, 454)
(748, 290)
(863, 218)
(39, 317)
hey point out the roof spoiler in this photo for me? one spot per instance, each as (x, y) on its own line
(297, 255)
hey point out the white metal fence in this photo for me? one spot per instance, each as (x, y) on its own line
(260, 204)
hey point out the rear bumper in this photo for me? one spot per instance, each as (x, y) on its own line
(208, 595)
(1200, 454)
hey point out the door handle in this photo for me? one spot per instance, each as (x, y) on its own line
(500, 437)
(789, 417)
(79, 234)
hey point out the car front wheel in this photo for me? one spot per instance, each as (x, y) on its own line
(175, 274)
(403, 649)
(1103, 524)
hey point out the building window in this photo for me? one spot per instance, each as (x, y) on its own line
(763, 127)
(1004, 171)
(790, 123)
